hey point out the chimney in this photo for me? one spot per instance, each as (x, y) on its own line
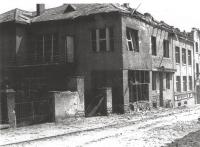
(40, 9)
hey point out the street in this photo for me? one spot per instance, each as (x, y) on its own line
(152, 132)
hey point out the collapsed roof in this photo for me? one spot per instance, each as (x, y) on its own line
(73, 11)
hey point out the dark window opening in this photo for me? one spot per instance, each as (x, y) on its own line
(197, 46)
(197, 69)
(184, 83)
(178, 84)
(179, 104)
(166, 48)
(153, 45)
(190, 82)
(132, 40)
(189, 57)
(168, 80)
(177, 50)
(154, 80)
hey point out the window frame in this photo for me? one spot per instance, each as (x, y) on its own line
(166, 48)
(184, 83)
(178, 84)
(190, 82)
(168, 78)
(177, 55)
(184, 56)
(96, 39)
(189, 57)
(132, 32)
(153, 46)
(154, 80)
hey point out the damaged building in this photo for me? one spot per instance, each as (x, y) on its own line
(113, 56)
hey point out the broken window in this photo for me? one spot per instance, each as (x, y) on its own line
(166, 48)
(102, 39)
(138, 85)
(183, 55)
(189, 57)
(47, 48)
(178, 84)
(153, 45)
(167, 80)
(197, 46)
(184, 83)
(132, 40)
(153, 80)
(190, 82)
(177, 50)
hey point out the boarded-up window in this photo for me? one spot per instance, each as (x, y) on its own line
(189, 57)
(69, 49)
(102, 39)
(153, 45)
(168, 80)
(178, 84)
(132, 40)
(184, 83)
(166, 48)
(177, 50)
(190, 82)
(183, 55)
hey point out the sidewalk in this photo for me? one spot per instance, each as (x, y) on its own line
(73, 126)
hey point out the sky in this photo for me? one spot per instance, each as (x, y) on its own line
(182, 14)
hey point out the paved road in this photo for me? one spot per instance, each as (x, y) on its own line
(149, 133)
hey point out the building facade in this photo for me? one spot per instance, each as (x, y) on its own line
(108, 44)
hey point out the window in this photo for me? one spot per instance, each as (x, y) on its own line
(189, 57)
(102, 39)
(69, 49)
(183, 55)
(190, 82)
(177, 50)
(184, 83)
(47, 48)
(178, 83)
(166, 48)
(153, 80)
(153, 45)
(168, 80)
(197, 46)
(132, 40)
(197, 69)
(138, 85)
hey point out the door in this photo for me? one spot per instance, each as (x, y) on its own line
(69, 49)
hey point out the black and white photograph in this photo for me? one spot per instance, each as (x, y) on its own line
(99, 73)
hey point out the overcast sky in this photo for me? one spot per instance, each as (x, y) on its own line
(183, 14)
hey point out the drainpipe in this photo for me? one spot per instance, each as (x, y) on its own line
(161, 85)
